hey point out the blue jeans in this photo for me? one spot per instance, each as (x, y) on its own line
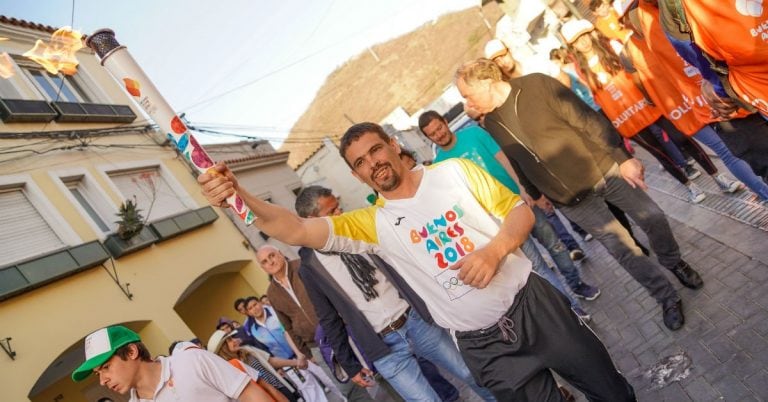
(445, 390)
(562, 232)
(740, 169)
(433, 343)
(670, 148)
(540, 267)
(546, 235)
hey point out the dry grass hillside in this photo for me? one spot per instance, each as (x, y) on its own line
(412, 71)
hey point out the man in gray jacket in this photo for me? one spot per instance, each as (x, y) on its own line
(573, 156)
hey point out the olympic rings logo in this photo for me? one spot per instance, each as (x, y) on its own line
(452, 283)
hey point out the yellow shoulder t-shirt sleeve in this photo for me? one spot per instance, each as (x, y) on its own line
(495, 197)
(354, 226)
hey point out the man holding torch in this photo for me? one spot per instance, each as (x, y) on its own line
(435, 227)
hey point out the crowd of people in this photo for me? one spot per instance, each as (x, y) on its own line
(443, 270)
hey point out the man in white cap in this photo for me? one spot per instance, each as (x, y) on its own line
(124, 365)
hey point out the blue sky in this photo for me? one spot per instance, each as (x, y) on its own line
(279, 52)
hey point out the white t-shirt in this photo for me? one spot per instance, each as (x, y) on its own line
(451, 214)
(194, 374)
(381, 311)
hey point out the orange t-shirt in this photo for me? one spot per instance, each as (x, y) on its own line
(623, 102)
(660, 87)
(611, 28)
(735, 32)
(683, 76)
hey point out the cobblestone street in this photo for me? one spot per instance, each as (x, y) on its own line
(726, 331)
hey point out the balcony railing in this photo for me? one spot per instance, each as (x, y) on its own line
(30, 274)
(26, 111)
(25, 276)
(161, 230)
(93, 113)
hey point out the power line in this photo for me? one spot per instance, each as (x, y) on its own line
(64, 134)
(286, 66)
(315, 140)
(261, 128)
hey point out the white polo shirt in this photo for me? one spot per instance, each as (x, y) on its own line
(195, 374)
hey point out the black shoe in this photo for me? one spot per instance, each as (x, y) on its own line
(687, 275)
(673, 315)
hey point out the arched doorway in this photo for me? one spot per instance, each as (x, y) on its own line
(211, 295)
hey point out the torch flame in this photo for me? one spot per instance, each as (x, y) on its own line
(6, 66)
(58, 55)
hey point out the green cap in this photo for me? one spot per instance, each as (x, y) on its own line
(100, 346)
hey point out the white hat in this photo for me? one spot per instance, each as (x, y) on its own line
(495, 48)
(572, 29)
(622, 6)
(217, 339)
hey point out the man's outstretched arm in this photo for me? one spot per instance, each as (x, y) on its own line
(274, 220)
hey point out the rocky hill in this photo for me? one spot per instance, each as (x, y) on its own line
(412, 71)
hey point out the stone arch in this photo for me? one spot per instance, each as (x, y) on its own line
(211, 294)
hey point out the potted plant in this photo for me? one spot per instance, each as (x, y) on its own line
(132, 233)
(131, 221)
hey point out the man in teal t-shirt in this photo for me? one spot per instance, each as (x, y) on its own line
(476, 144)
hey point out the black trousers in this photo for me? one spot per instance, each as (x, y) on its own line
(747, 138)
(513, 359)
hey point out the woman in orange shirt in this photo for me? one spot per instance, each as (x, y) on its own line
(625, 105)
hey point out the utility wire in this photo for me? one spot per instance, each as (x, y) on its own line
(287, 66)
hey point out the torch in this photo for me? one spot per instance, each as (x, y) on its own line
(121, 65)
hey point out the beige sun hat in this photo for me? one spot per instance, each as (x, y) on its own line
(217, 339)
(572, 29)
(495, 48)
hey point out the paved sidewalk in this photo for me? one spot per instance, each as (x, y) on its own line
(725, 336)
(726, 330)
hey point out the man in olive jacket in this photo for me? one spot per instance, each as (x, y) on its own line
(573, 156)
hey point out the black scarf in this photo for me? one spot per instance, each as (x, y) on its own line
(361, 271)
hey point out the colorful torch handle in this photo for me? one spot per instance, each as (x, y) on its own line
(119, 62)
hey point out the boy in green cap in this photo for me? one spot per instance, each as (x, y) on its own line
(124, 365)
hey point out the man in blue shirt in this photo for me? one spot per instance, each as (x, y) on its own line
(475, 144)
(268, 330)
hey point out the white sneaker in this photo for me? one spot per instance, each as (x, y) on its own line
(727, 185)
(691, 172)
(695, 195)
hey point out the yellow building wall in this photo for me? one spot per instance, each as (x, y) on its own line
(45, 322)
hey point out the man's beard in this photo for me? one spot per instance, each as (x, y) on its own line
(390, 184)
